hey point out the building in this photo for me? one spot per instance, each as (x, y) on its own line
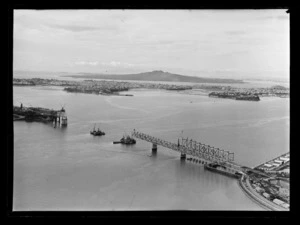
(258, 189)
(284, 192)
(285, 159)
(267, 166)
(278, 161)
(276, 164)
(266, 195)
(287, 170)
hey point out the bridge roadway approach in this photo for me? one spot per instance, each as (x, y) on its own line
(204, 154)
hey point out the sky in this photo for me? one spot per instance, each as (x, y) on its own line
(219, 43)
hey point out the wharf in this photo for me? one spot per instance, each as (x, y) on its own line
(37, 114)
(270, 162)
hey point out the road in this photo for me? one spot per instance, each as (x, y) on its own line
(260, 199)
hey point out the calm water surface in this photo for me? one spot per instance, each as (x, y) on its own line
(68, 169)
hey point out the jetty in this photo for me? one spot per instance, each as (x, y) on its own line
(38, 114)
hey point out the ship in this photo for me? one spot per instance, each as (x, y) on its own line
(97, 132)
(222, 170)
(126, 140)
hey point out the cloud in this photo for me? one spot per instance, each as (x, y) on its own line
(278, 17)
(73, 28)
(117, 64)
(235, 32)
(85, 63)
(109, 64)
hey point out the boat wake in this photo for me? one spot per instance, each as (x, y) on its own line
(269, 120)
(109, 101)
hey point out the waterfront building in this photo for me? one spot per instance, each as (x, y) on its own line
(285, 159)
(267, 165)
(276, 164)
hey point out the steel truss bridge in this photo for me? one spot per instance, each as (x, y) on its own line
(190, 147)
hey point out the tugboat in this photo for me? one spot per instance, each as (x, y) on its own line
(97, 132)
(126, 140)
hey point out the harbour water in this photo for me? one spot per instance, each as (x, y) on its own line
(69, 169)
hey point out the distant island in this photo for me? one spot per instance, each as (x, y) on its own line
(156, 75)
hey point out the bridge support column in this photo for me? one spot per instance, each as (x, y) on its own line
(64, 121)
(154, 148)
(182, 156)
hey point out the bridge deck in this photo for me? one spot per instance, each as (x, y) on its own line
(190, 147)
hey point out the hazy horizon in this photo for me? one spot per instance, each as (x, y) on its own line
(234, 44)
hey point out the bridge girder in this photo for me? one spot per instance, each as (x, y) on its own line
(190, 147)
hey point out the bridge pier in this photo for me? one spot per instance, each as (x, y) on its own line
(64, 121)
(182, 156)
(154, 148)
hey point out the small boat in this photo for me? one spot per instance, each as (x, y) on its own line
(97, 132)
(127, 140)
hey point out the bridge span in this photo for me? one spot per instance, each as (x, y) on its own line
(189, 147)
